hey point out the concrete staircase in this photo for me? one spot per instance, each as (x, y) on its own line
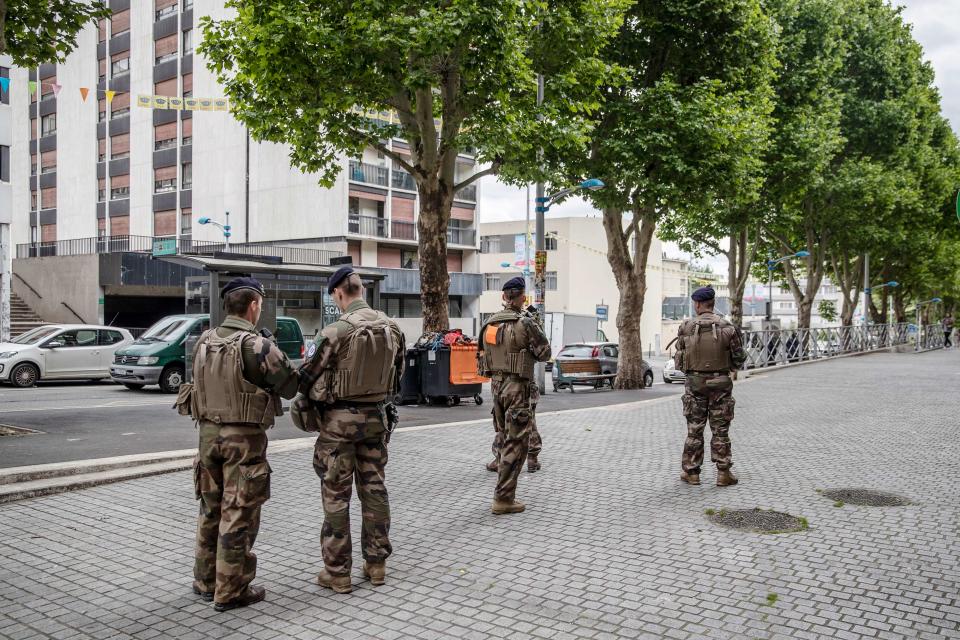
(22, 317)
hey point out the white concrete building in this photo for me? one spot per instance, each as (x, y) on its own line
(106, 177)
(578, 274)
(6, 203)
(785, 309)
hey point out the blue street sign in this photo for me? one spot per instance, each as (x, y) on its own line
(165, 247)
(603, 312)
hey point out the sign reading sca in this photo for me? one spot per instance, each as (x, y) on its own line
(603, 312)
(165, 247)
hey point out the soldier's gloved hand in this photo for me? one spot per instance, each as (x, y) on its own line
(266, 333)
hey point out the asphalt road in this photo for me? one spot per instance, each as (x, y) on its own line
(80, 421)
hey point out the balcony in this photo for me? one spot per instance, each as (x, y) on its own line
(407, 281)
(403, 180)
(461, 236)
(401, 230)
(467, 194)
(369, 173)
(367, 226)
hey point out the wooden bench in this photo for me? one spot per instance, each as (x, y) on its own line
(567, 373)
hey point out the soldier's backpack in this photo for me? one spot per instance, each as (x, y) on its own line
(365, 358)
(704, 345)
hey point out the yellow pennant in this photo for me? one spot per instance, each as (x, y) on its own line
(109, 94)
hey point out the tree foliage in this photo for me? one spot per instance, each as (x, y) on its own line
(34, 32)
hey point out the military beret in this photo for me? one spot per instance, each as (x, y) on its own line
(703, 294)
(515, 283)
(339, 276)
(242, 283)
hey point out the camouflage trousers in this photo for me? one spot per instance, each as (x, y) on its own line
(708, 397)
(231, 480)
(350, 447)
(534, 441)
(512, 415)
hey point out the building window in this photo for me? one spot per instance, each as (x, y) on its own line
(120, 146)
(187, 5)
(165, 57)
(188, 42)
(120, 67)
(165, 179)
(409, 259)
(119, 193)
(48, 161)
(166, 11)
(550, 242)
(120, 23)
(489, 244)
(33, 200)
(551, 280)
(33, 164)
(48, 125)
(491, 282)
(187, 175)
(186, 221)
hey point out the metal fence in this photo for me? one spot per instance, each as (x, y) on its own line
(771, 348)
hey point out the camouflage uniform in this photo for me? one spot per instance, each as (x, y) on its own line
(232, 476)
(709, 394)
(351, 445)
(513, 411)
(534, 442)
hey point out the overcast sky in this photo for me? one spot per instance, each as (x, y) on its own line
(937, 28)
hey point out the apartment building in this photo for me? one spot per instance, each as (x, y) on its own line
(6, 202)
(103, 175)
(578, 276)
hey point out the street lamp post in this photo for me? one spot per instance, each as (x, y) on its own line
(543, 205)
(919, 326)
(771, 265)
(223, 227)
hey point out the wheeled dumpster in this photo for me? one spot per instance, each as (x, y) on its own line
(449, 373)
(410, 380)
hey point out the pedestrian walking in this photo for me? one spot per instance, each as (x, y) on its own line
(510, 344)
(709, 349)
(948, 331)
(239, 377)
(354, 365)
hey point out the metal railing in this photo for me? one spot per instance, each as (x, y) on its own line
(367, 226)
(400, 179)
(144, 244)
(369, 173)
(771, 348)
(462, 236)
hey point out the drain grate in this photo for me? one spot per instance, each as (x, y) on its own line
(758, 521)
(865, 497)
(10, 430)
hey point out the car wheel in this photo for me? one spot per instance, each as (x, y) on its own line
(171, 378)
(648, 379)
(24, 375)
(133, 386)
(668, 380)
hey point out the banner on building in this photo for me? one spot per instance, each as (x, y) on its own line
(540, 277)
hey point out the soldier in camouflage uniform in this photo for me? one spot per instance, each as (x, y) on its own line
(238, 379)
(354, 365)
(534, 442)
(709, 349)
(511, 342)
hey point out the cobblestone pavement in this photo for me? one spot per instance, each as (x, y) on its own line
(612, 544)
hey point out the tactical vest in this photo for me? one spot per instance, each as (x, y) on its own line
(365, 358)
(500, 348)
(705, 344)
(220, 392)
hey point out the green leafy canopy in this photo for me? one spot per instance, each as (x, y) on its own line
(40, 31)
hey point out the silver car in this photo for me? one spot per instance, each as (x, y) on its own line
(608, 353)
(61, 352)
(671, 373)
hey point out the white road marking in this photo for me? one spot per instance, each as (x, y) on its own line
(90, 406)
(129, 433)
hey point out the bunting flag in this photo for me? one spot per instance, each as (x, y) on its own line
(83, 93)
(5, 84)
(109, 93)
(159, 102)
(221, 104)
(33, 86)
(175, 102)
(206, 104)
(56, 89)
(191, 104)
(144, 101)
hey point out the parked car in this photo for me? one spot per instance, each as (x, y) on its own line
(61, 352)
(671, 373)
(159, 355)
(607, 353)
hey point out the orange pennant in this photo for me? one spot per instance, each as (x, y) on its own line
(83, 93)
(109, 94)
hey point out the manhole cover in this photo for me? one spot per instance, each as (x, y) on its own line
(865, 497)
(10, 430)
(758, 520)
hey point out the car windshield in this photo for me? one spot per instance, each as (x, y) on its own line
(164, 331)
(35, 335)
(578, 351)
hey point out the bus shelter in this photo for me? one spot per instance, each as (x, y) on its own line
(295, 290)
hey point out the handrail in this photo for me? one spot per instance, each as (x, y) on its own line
(35, 292)
(73, 312)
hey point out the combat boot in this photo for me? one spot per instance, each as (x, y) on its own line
(493, 466)
(500, 508)
(340, 584)
(533, 465)
(206, 595)
(252, 595)
(690, 478)
(376, 572)
(725, 478)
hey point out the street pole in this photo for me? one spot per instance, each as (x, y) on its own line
(866, 288)
(6, 257)
(540, 295)
(527, 283)
(226, 234)
(769, 294)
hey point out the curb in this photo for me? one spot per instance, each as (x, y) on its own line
(789, 365)
(21, 483)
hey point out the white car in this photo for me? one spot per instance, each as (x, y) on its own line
(671, 374)
(61, 352)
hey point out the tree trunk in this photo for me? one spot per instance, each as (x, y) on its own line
(435, 206)
(849, 279)
(631, 277)
(740, 257)
(899, 307)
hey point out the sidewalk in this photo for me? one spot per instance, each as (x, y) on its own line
(612, 544)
